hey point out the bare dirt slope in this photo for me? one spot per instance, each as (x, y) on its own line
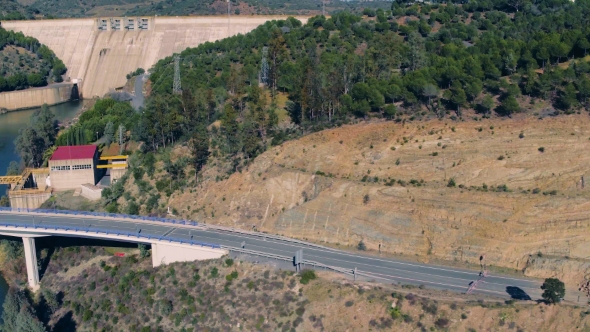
(313, 188)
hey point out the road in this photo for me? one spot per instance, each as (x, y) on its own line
(138, 98)
(383, 270)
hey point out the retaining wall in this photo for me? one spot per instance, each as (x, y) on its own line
(36, 97)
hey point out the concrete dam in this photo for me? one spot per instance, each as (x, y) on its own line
(99, 52)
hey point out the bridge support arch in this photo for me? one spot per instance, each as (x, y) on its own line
(165, 253)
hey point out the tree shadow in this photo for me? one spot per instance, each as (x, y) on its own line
(45, 262)
(517, 293)
(66, 323)
(43, 311)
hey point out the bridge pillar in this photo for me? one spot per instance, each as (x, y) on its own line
(31, 261)
(165, 253)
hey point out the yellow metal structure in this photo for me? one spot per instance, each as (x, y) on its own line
(112, 166)
(39, 170)
(18, 179)
(10, 179)
(113, 157)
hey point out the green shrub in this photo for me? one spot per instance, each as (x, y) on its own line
(87, 315)
(452, 183)
(361, 246)
(307, 276)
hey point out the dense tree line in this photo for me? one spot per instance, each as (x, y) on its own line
(106, 115)
(12, 10)
(18, 314)
(490, 56)
(36, 140)
(51, 67)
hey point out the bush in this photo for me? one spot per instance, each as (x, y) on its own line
(395, 313)
(349, 303)
(541, 149)
(452, 183)
(442, 323)
(366, 199)
(361, 246)
(87, 315)
(307, 276)
(166, 307)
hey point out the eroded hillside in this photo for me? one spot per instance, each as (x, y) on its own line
(518, 201)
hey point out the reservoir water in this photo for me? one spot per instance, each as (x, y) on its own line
(10, 124)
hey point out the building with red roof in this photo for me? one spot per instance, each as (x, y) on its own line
(72, 166)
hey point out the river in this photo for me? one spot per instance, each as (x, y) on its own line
(10, 124)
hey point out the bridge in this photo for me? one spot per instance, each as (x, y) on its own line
(174, 240)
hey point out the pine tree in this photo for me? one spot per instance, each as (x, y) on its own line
(109, 134)
(230, 128)
(200, 147)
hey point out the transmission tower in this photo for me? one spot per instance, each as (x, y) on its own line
(176, 88)
(264, 66)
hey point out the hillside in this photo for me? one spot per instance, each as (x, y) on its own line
(87, 289)
(13, 10)
(26, 62)
(517, 201)
(94, 8)
(480, 157)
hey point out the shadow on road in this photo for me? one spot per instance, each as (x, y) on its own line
(517, 293)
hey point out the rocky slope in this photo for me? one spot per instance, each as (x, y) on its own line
(518, 198)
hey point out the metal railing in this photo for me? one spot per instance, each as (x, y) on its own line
(289, 259)
(148, 238)
(109, 232)
(164, 220)
(102, 215)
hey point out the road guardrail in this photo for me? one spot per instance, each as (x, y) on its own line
(95, 230)
(163, 220)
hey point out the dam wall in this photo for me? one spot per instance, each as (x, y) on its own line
(102, 54)
(36, 97)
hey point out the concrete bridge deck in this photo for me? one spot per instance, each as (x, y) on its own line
(103, 58)
(189, 235)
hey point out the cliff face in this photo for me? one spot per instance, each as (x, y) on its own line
(515, 196)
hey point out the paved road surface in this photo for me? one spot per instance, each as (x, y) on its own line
(138, 98)
(379, 269)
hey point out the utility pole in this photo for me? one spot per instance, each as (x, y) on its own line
(121, 130)
(176, 88)
(324, 7)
